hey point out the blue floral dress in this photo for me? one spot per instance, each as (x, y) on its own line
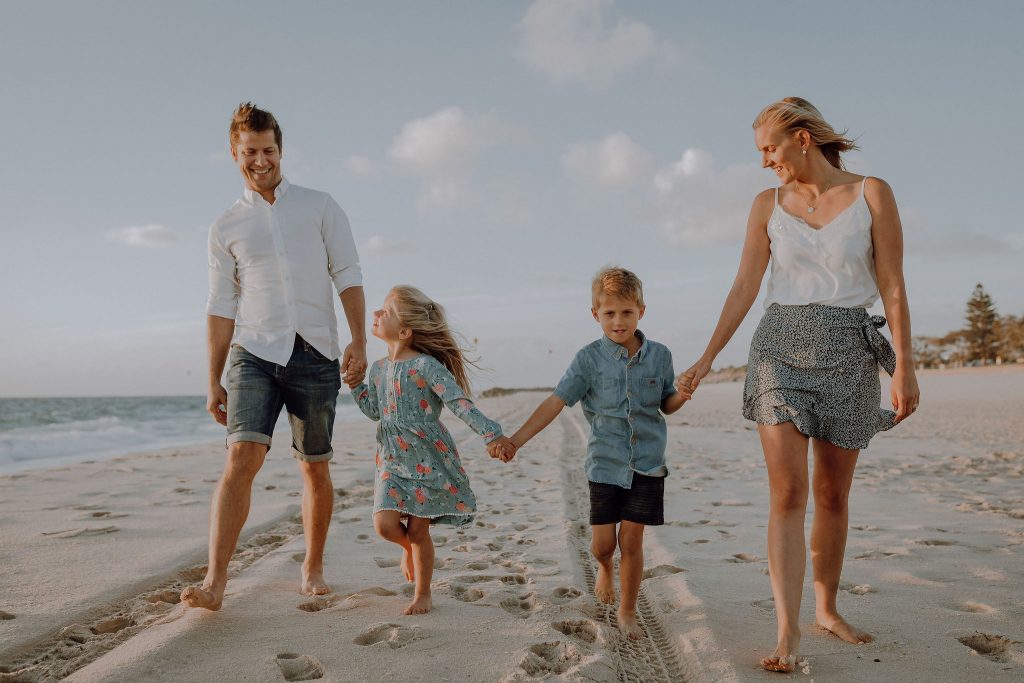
(418, 467)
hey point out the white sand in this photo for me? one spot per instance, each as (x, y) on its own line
(93, 554)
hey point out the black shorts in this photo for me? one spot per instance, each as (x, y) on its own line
(644, 503)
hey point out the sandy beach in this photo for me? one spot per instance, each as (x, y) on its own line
(94, 555)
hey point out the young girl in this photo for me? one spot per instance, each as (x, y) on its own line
(419, 476)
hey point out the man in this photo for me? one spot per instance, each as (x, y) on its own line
(273, 257)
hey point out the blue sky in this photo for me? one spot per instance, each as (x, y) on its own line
(493, 154)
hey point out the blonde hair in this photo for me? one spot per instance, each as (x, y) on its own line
(616, 281)
(795, 113)
(250, 118)
(430, 332)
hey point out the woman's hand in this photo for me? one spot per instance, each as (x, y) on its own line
(906, 396)
(687, 382)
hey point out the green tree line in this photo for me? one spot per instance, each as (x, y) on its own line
(987, 338)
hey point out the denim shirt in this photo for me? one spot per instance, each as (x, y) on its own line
(621, 399)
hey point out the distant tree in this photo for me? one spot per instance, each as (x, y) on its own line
(980, 332)
(927, 352)
(1010, 336)
(953, 348)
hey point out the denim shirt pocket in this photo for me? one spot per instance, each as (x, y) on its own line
(650, 391)
(609, 393)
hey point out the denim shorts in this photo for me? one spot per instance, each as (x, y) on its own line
(643, 503)
(308, 387)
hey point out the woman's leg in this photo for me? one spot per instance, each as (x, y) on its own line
(833, 477)
(423, 562)
(388, 525)
(785, 454)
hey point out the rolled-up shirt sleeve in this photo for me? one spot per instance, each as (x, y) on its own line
(224, 286)
(342, 258)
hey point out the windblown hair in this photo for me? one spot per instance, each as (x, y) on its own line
(430, 332)
(795, 113)
(250, 118)
(615, 281)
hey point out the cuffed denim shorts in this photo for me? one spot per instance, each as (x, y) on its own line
(308, 387)
(643, 503)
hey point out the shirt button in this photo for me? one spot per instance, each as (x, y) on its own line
(633, 440)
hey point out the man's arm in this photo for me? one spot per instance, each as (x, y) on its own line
(353, 361)
(218, 342)
(547, 411)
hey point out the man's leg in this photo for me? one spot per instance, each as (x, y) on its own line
(317, 507)
(228, 512)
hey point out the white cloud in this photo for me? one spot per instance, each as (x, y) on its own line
(143, 236)
(362, 167)
(568, 41)
(615, 161)
(441, 150)
(383, 246)
(697, 205)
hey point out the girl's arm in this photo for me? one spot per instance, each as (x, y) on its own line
(547, 411)
(365, 394)
(887, 240)
(444, 385)
(753, 263)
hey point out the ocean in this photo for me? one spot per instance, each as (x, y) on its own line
(46, 432)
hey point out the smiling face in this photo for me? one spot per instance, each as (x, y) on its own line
(781, 151)
(386, 324)
(618, 317)
(259, 159)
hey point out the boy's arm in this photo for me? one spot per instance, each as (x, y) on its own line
(671, 404)
(547, 411)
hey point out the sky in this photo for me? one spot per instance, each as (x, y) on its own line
(496, 155)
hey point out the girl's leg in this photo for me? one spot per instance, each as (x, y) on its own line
(785, 454)
(833, 477)
(388, 525)
(631, 572)
(423, 561)
(602, 545)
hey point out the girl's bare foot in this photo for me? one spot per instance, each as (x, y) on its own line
(313, 583)
(421, 604)
(207, 597)
(408, 571)
(628, 625)
(837, 626)
(604, 587)
(784, 659)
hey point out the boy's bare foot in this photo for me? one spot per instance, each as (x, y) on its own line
(313, 583)
(628, 625)
(837, 626)
(207, 597)
(604, 587)
(420, 605)
(784, 659)
(408, 571)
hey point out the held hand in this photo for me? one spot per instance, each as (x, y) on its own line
(502, 449)
(688, 381)
(353, 364)
(352, 378)
(217, 404)
(906, 396)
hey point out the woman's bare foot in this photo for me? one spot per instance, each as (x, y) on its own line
(784, 659)
(604, 587)
(408, 571)
(628, 625)
(313, 583)
(421, 604)
(837, 626)
(207, 597)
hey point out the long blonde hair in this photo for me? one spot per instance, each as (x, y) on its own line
(795, 113)
(430, 332)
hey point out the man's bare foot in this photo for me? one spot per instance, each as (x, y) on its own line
(408, 571)
(202, 596)
(837, 626)
(784, 659)
(604, 587)
(628, 625)
(420, 605)
(313, 583)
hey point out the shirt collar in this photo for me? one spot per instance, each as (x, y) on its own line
(618, 351)
(279, 191)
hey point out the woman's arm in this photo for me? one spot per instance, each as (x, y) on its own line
(887, 240)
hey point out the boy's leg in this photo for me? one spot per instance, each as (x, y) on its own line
(423, 561)
(631, 572)
(602, 545)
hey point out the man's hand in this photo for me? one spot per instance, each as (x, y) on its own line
(353, 364)
(217, 403)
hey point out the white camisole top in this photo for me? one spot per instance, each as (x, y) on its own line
(833, 265)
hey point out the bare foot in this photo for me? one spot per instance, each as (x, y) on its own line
(407, 569)
(628, 625)
(420, 605)
(604, 588)
(784, 659)
(203, 596)
(313, 583)
(837, 626)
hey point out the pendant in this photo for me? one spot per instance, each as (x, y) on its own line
(810, 209)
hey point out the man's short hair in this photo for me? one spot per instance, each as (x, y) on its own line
(250, 118)
(615, 281)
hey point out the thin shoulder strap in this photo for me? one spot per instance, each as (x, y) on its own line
(862, 184)
(776, 196)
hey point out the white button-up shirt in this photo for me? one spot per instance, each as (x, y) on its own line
(271, 269)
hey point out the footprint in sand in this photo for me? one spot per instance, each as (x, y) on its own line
(520, 606)
(935, 542)
(299, 557)
(972, 607)
(99, 514)
(477, 566)
(766, 605)
(169, 596)
(743, 557)
(5, 616)
(564, 594)
(861, 589)
(391, 635)
(112, 625)
(997, 648)
(363, 538)
(299, 667)
(83, 531)
(464, 594)
(661, 570)
(386, 562)
(182, 489)
(514, 580)
(550, 658)
(581, 629)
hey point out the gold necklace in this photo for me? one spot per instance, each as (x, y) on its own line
(810, 209)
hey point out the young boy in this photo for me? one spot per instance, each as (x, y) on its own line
(623, 379)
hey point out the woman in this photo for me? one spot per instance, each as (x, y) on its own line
(835, 244)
